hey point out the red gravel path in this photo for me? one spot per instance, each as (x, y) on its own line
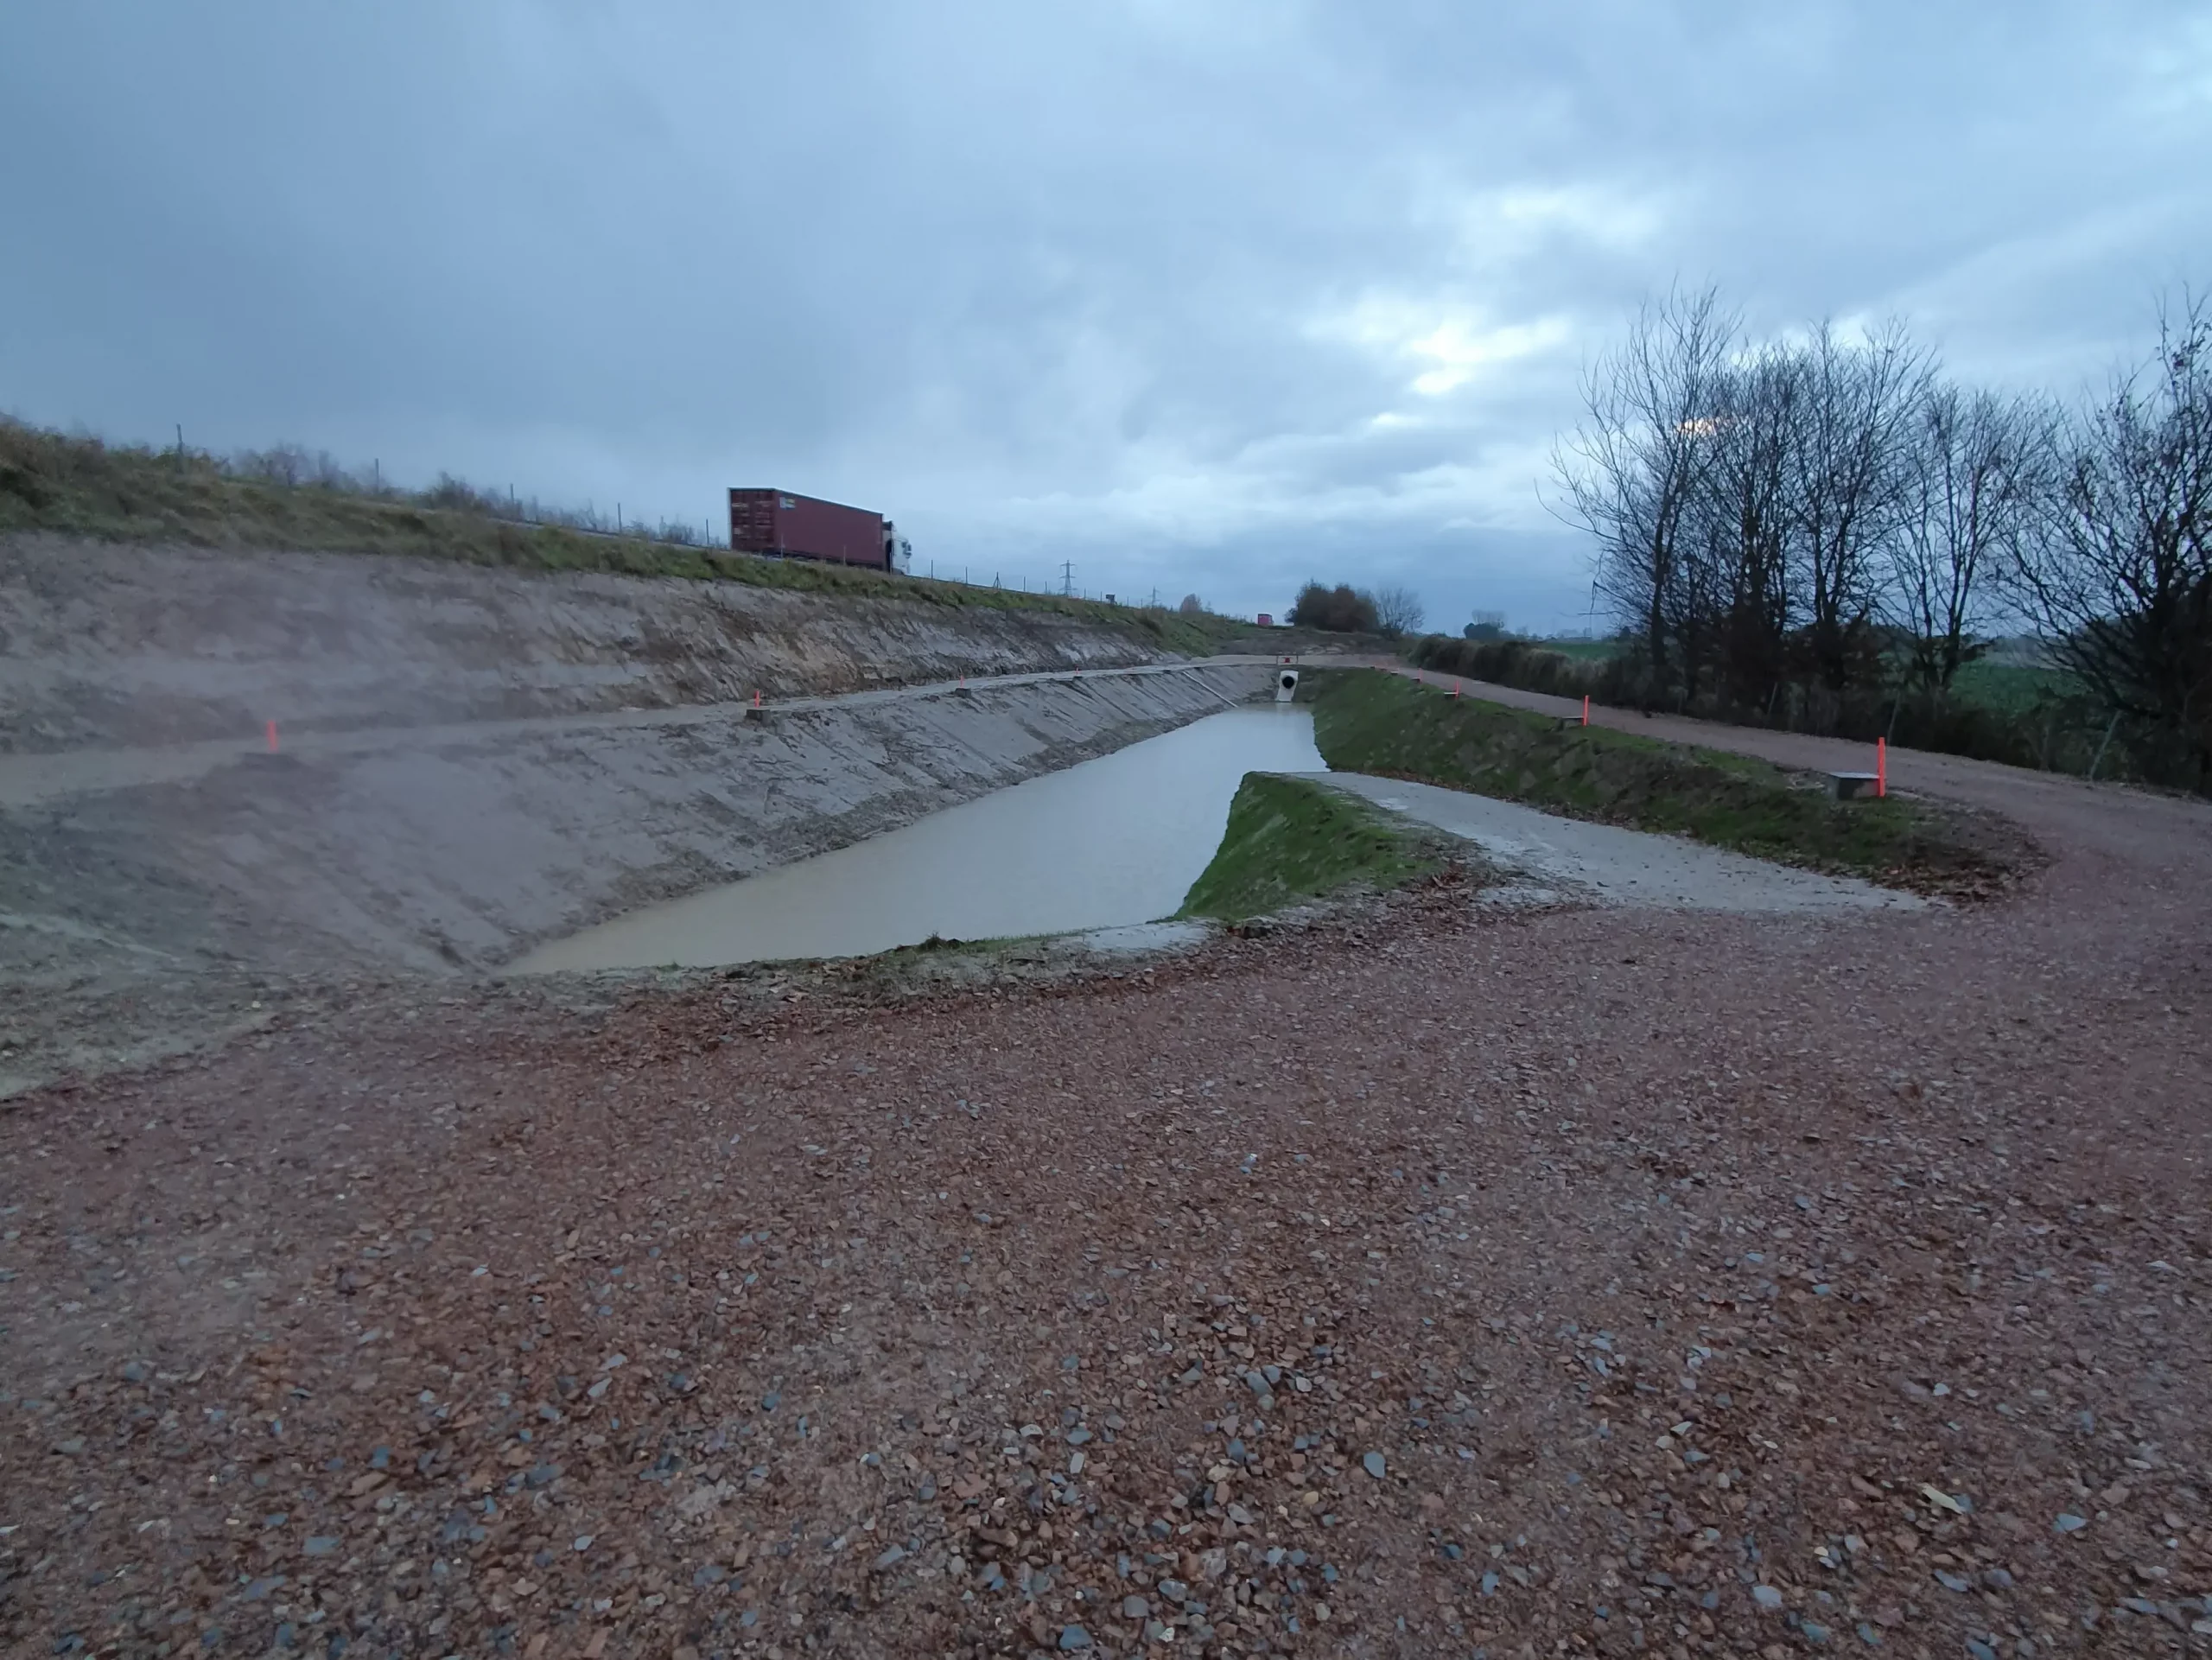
(1703, 1284)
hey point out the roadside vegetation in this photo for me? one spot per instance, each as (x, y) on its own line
(1368, 721)
(2018, 714)
(1290, 839)
(289, 499)
(1824, 532)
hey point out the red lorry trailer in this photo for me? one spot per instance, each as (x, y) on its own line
(786, 527)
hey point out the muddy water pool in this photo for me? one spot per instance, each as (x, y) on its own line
(1113, 840)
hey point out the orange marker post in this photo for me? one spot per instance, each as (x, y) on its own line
(756, 697)
(272, 737)
(1455, 688)
(1881, 766)
(1585, 708)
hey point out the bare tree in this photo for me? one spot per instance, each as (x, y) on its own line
(1398, 610)
(1854, 418)
(1734, 607)
(1632, 468)
(2120, 585)
(1761, 511)
(1978, 469)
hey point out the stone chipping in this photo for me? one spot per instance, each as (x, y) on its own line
(1614, 1282)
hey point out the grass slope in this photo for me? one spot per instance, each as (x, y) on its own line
(82, 486)
(1368, 721)
(1290, 839)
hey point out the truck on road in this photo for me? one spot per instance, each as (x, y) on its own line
(782, 525)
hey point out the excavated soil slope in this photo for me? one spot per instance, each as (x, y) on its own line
(462, 846)
(471, 761)
(108, 645)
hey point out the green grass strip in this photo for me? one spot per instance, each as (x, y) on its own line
(1290, 839)
(1368, 721)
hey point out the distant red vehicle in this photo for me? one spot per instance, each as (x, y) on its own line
(782, 525)
(1267, 619)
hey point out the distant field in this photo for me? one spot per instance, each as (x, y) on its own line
(1587, 649)
(2011, 689)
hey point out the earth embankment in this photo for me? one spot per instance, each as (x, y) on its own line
(468, 762)
(112, 646)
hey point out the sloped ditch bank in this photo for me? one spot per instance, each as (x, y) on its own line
(135, 922)
(111, 645)
(1384, 725)
(1298, 843)
(1113, 842)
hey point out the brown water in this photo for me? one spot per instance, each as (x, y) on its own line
(1114, 841)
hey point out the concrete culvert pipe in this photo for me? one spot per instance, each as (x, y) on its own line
(1285, 685)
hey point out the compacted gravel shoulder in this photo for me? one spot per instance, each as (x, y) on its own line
(1450, 1282)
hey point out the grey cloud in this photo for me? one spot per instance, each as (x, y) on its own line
(1126, 283)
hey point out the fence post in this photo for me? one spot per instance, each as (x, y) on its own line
(1881, 766)
(2099, 759)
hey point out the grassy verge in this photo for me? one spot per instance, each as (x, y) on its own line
(1367, 722)
(2012, 713)
(82, 486)
(1289, 839)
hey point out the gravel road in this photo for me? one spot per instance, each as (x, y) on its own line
(1439, 1281)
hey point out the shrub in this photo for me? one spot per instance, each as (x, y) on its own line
(1339, 610)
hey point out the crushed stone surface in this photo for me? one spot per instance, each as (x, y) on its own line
(1569, 858)
(1168, 935)
(1566, 1280)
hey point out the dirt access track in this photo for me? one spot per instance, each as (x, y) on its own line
(1444, 1280)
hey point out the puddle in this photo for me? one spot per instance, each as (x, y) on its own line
(1110, 843)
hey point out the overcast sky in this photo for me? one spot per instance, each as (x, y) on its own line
(1208, 295)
